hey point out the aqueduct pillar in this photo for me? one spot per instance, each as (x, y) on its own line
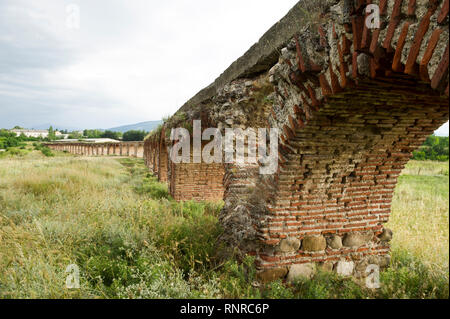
(352, 100)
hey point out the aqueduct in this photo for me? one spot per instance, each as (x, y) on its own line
(352, 103)
(132, 149)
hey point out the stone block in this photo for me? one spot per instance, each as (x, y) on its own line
(355, 239)
(335, 242)
(386, 236)
(289, 245)
(272, 274)
(345, 268)
(301, 271)
(314, 243)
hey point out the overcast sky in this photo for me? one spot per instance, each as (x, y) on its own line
(128, 62)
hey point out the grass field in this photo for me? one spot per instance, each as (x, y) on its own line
(130, 240)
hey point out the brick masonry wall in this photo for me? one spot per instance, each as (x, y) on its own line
(163, 159)
(189, 181)
(351, 104)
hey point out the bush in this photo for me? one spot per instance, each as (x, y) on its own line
(46, 151)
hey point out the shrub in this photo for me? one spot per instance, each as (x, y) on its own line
(46, 151)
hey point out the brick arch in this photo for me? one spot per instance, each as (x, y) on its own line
(349, 125)
(351, 104)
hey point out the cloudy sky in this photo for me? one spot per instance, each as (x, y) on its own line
(121, 62)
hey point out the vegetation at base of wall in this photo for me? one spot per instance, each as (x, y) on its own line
(435, 148)
(131, 240)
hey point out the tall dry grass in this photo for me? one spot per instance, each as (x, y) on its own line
(130, 240)
(420, 213)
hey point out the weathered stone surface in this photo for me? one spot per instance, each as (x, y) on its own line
(363, 64)
(373, 260)
(335, 242)
(361, 266)
(326, 266)
(314, 243)
(360, 269)
(272, 274)
(345, 268)
(301, 271)
(289, 245)
(386, 236)
(356, 239)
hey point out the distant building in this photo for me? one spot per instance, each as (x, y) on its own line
(90, 140)
(37, 133)
(31, 133)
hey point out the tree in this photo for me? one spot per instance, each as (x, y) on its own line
(435, 148)
(51, 134)
(134, 135)
(92, 133)
(75, 135)
(111, 134)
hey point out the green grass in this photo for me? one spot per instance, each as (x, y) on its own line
(420, 213)
(131, 240)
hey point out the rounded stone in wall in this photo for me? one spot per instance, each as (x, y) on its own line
(386, 235)
(361, 266)
(289, 245)
(314, 243)
(326, 266)
(373, 260)
(272, 274)
(335, 242)
(301, 271)
(345, 268)
(356, 239)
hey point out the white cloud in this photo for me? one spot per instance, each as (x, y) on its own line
(128, 62)
(443, 131)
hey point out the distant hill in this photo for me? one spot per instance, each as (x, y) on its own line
(143, 126)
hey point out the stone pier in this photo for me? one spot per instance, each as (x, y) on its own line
(352, 101)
